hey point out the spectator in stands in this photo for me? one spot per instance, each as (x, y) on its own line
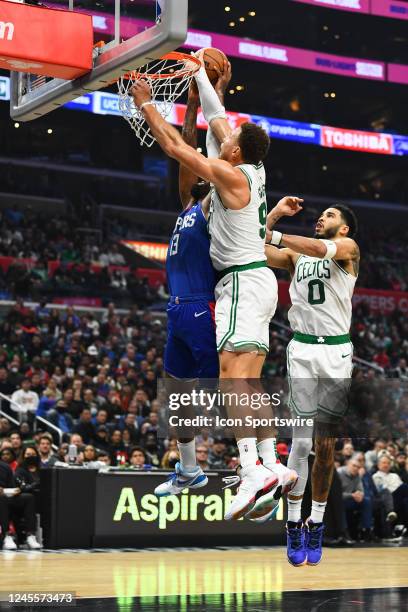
(76, 439)
(60, 417)
(89, 453)
(102, 438)
(5, 427)
(47, 457)
(13, 506)
(150, 443)
(129, 423)
(385, 478)
(6, 387)
(27, 473)
(400, 466)
(169, 459)
(7, 455)
(202, 457)
(16, 442)
(101, 417)
(104, 457)
(216, 455)
(347, 452)
(24, 400)
(371, 455)
(85, 427)
(138, 459)
(353, 497)
(382, 502)
(117, 450)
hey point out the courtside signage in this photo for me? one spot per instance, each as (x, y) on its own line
(356, 6)
(354, 140)
(394, 9)
(102, 103)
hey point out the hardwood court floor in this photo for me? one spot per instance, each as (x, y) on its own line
(195, 572)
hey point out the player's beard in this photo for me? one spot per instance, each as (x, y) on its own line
(328, 234)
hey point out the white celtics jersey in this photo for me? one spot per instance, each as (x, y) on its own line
(321, 293)
(238, 236)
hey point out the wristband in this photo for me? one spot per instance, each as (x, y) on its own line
(141, 107)
(276, 238)
(331, 248)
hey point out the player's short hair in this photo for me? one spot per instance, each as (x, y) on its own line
(199, 190)
(349, 218)
(254, 143)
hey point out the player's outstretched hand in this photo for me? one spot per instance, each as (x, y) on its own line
(289, 206)
(224, 78)
(141, 92)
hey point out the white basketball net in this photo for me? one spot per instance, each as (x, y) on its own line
(168, 78)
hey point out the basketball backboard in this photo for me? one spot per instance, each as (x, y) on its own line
(128, 34)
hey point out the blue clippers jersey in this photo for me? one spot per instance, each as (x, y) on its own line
(189, 269)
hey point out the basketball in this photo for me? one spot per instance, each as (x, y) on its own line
(214, 58)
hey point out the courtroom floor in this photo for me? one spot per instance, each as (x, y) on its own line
(227, 580)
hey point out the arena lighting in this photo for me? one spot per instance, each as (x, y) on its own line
(227, 9)
(325, 28)
(231, 91)
(199, 149)
(239, 87)
(49, 131)
(242, 18)
(16, 125)
(252, 13)
(326, 95)
(324, 168)
(231, 24)
(333, 94)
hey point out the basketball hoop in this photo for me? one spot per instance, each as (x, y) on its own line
(168, 78)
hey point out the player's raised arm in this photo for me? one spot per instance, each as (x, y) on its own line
(219, 172)
(189, 133)
(213, 108)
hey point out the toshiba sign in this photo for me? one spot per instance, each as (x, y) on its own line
(354, 140)
(6, 30)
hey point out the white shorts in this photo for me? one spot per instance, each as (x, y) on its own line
(245, 304)
(319, 378)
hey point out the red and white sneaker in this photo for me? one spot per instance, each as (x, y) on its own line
(255, 482)
(267, 503)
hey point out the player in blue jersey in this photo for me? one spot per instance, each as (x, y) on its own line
(191, 350)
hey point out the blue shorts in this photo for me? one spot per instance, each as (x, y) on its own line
(191, 350)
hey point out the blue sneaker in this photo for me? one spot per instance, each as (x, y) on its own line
(180, 480)
(296, 545)
(314, 542)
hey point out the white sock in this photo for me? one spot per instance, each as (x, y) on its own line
(267, 450)
(210, 102)
(294, 510)
(318, 509)
(248, 453)
(188, 459)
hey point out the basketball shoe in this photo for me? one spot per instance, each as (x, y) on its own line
(314, 542)
(267, 503)
(296, 543)
(255, 481)
(180, 480)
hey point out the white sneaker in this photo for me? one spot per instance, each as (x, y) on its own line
(266, 507)
(180, 480)
(32, 542)
(9, 543)
(256, 481)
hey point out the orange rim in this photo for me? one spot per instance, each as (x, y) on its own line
(177, 74)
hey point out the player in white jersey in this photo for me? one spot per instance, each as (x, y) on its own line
(238, 217)
(323, 273)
